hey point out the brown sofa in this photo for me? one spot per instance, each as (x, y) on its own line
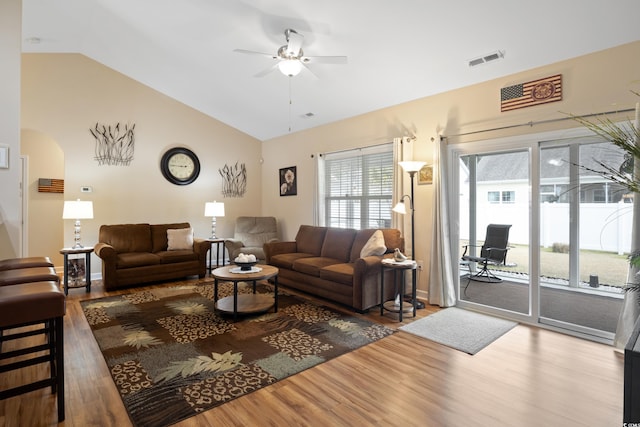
(326, 262)
(133, 254)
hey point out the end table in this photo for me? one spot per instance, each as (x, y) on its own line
(398, 267)
(87, 268)
(219, 243)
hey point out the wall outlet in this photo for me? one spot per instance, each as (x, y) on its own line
(420, 264)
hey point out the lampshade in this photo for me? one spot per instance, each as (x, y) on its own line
(77, 209)
(412, 166)
(400, 208)
(290, 67)
(214, 209)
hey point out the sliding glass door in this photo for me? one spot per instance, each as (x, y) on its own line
(494, 189)
(569, 229)
(585, 229)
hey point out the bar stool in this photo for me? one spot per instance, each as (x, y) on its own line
(28, 304)
(26, 275)
(26, 262)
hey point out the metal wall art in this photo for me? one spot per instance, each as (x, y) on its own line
(114, 145)
(234, 180)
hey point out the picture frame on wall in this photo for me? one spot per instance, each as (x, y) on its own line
(288, 181)
(425, 175)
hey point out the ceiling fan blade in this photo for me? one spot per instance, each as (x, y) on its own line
(267, 71)
(324, 59)
(309, 70)
(251, 52)
(294, 42)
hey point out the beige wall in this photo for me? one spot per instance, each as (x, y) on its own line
(10, 200)
(63, 95)
(594, 83)
(43, 159)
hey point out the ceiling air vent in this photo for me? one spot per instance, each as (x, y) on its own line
(499, 54)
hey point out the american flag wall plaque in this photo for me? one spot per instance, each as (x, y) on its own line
(541, 91)
(50, 185)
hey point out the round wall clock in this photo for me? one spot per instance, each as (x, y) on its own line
(180, 166)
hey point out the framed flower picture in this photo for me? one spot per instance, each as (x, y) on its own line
(288, 181)
(425, 175)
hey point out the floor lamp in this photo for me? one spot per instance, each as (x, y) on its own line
(411, 168)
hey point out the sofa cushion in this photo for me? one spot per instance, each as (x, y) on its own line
(179, 239)
(337, 243)
(168, 257)
(374, 246)
(313, 265)
(127, 237)
(287, 260)
(136, 259)
(310, 239)
(341, 273)
(159, 235)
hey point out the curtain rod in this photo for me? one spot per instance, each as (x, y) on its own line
(352, 149)
(532, 123)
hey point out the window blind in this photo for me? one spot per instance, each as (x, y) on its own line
(359, 188)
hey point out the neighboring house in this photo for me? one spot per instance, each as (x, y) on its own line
(503, 197)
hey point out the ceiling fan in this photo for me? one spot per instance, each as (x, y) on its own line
(291, 58)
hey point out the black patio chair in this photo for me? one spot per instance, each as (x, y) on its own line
(492, 252)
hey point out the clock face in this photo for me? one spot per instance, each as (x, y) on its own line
(180, 166)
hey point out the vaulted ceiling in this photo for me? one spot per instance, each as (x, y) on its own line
(397, 50)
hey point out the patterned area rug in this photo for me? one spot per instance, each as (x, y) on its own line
(171, 355)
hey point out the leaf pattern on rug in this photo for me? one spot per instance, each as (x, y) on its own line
(140, 338)
(196, 365)
(192, 358)
(345, 326)
(188, 308)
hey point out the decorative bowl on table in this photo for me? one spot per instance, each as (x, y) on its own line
(245, 261)
(245, 266)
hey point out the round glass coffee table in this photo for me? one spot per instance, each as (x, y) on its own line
(245, 303)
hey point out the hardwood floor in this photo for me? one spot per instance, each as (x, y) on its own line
(528, 377)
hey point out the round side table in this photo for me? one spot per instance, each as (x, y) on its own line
(399, 269)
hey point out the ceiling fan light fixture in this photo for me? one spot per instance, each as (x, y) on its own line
(290, 67)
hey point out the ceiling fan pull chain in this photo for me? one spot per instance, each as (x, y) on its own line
(290, 77)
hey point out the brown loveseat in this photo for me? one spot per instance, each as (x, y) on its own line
(140, 253)
(327, 262)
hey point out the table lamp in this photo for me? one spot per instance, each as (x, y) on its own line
(77, 209)
(213, 209)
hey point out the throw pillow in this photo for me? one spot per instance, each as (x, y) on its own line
(374, 246)
(179, 239)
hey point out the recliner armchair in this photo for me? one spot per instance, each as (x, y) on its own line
(251, 233)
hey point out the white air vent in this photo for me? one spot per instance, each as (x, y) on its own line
(493, 56)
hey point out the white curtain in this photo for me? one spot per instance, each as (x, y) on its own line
(318, 201)
(441, 284)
